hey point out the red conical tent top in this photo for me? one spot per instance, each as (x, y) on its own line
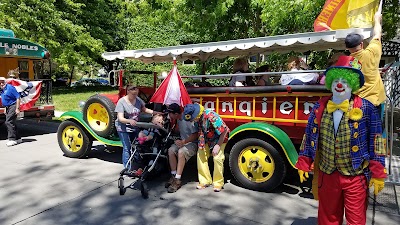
(172, 90)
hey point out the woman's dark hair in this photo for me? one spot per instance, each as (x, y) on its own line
(240, 65)
(249, 81)
(130, 87)
(262, 68)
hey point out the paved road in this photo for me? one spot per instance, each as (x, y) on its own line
(38, 185)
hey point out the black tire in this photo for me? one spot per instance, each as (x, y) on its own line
(270, 166)
(73, 139)
(121, 186)
(98, 113)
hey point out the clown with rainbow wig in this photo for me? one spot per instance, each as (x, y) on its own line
(343, 140)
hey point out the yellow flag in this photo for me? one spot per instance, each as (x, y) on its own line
(360, 13)
(343, 14)
(332, 16)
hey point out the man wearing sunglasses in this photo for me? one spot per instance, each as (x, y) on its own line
(10, 99)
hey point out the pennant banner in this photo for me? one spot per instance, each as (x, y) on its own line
(343, 14)
(29, 92)
(172, 90)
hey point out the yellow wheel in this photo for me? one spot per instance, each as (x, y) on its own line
(73, 140)
(97, 117)
(98, 113)
(256, 164)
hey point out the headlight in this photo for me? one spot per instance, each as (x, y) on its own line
(81, 104)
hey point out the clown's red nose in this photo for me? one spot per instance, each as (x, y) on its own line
(339, 85)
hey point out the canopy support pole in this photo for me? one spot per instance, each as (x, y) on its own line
(203, 71)
(174, 59)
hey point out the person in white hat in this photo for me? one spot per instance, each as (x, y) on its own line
(10, 99)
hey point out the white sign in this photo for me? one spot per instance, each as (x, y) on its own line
(286, 107)
(19, 46)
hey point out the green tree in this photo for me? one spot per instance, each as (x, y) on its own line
(234, 19)
(77, 31)
(56, 25)
(152, 24)
(391, 19)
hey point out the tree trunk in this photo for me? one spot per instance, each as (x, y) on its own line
(203, 71)
(70, 77)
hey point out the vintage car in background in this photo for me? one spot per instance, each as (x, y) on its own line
(27, 61)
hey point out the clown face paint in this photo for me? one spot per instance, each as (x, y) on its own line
(341, 90)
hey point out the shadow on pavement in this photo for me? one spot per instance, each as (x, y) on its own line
(290, 185)
(29, 127)
(308, 221)
(27, 140)
(100, 151)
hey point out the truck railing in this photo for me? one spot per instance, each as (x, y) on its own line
(391, 79)
(46, 95)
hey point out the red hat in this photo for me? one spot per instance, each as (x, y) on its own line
(349, 62)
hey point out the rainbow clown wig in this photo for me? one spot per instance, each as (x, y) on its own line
(347, 68)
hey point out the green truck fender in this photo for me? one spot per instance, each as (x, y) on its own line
(78, 117)
(274, 132)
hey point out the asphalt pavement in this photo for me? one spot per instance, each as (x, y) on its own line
(39, 185)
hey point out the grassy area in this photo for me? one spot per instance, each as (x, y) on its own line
(67, 98)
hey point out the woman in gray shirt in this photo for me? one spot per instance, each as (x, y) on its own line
(128, 109)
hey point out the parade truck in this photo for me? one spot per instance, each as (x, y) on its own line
(267, 123)
(26, 66)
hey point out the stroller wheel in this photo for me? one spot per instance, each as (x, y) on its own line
(144, 190)
(121, 186)
(123, 172)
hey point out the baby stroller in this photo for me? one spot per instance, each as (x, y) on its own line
(151, 153)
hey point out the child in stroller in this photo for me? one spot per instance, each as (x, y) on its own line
(152, 144)
(148, 134)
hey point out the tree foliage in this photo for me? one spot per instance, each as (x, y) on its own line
(234, 19)
(391, 19)
(77, 31)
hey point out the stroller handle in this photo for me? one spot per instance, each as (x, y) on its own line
(150, 125)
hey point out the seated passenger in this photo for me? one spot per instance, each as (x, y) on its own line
(250, 81)
(263, 79)
(296, 64)
(239, 66)
(197, 84)
(334, 58)
(148, 134)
